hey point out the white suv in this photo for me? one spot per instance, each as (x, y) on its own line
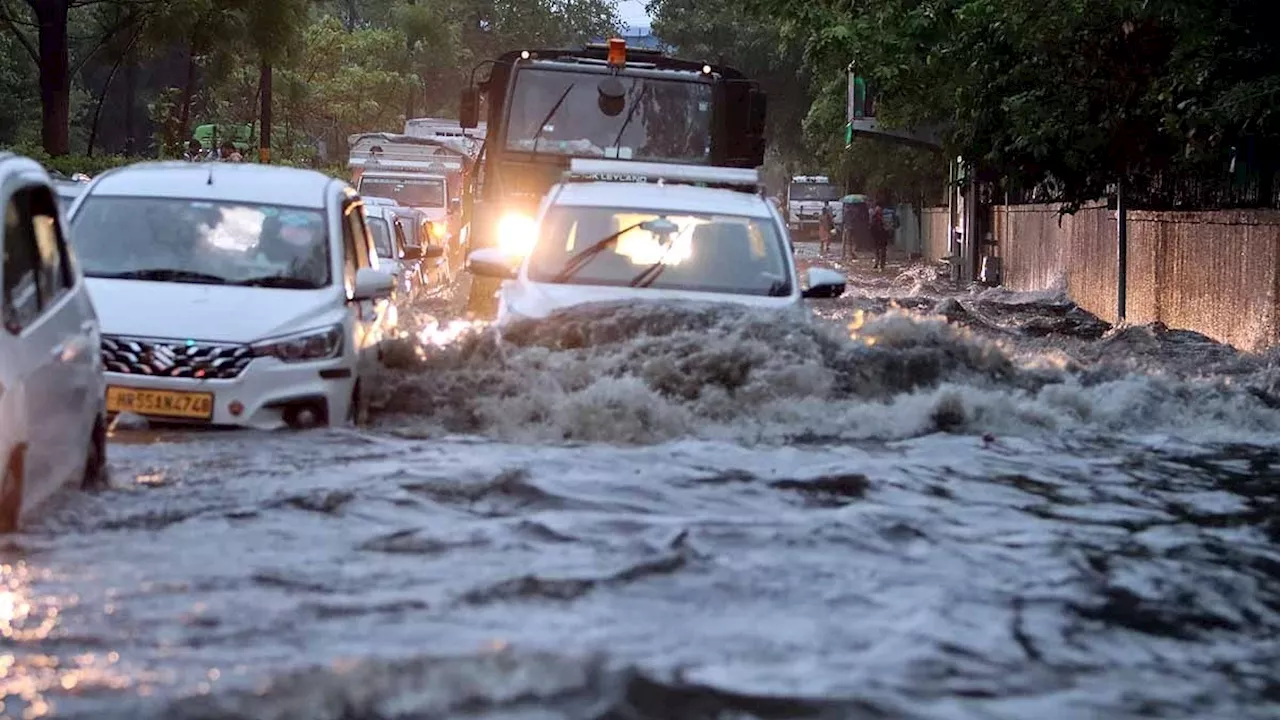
(656, 236)
(52, 420)
(232, 294)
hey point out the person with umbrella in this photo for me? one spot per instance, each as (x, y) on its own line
(853, 211)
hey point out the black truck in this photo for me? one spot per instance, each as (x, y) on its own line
(545, 107)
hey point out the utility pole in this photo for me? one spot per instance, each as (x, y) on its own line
(1122, 251)
(264, 125)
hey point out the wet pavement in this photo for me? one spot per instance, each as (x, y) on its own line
(930, 502)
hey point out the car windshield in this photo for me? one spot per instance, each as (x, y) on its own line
(656, 120)
(406, 191)
(814, 191)
(706, 253)
(381, 236)
(192, 240)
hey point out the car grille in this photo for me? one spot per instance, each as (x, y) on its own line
(170, 358)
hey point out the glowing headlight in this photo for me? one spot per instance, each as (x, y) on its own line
(516, 234)
(439, 230)
(304, 346)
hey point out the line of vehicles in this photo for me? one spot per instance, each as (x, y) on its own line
(223, 294)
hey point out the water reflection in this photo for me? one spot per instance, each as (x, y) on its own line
(28, 676)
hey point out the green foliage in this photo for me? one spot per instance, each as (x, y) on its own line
(724, 31)
(1079, 92)
(71, 164)
(339, 66)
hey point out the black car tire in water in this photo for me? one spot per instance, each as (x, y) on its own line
(95, 464)
(11, 495)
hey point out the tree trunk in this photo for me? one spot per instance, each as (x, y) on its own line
(106, 87)
(188, 93)
(264, 125)
(55, 76)
(130, 103)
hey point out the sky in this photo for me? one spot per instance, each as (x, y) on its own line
(632, 12)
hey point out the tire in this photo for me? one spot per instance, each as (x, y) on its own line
(95, 464)
(11, 496)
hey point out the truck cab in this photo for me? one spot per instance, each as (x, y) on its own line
(425, 174)
(806, 196)
(547, 107)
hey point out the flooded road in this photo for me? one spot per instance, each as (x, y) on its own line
(931, 503)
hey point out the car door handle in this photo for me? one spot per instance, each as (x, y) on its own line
(88, 326)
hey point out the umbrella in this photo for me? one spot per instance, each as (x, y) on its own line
(853, 199)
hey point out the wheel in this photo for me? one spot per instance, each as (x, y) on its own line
(95, 464)
(11, 496)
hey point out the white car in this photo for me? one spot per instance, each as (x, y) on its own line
(232, 294)
(395, 254)
(662, 238)
(53, 427)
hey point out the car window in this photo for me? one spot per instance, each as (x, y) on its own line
(382, 233)
(406, 190)
(55, 267)
(198, 241)
(698, 252)
(22, 269)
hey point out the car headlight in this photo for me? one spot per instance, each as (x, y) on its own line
(439, 229)
(320, 344)
(516, 234)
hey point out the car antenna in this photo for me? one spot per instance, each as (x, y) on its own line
(210, 182)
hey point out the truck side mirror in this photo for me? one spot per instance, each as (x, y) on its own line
(469, 108)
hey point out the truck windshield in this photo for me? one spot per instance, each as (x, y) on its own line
(814, 191)
(406, 191)
(662, 119)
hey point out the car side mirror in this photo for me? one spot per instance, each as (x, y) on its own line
(825, 283)
(432, 251)
(411, 252)
(492, 263)
(373, 285)
(469, 108)
(455, 204)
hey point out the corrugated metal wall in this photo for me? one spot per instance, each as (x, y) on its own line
(1212, 272)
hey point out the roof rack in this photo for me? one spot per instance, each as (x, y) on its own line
(588, 169)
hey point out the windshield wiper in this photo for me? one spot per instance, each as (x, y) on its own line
(278, 281)
(164, 274)
(554, 109)
(579, 261)
(650, 274)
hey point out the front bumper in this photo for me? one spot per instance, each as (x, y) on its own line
(270, 393)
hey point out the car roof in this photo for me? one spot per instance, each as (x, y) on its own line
(227, 182)
(13, 162)
(671, 196)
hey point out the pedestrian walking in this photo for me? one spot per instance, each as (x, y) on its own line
(884, 223)
(853, 225)
(825, 222)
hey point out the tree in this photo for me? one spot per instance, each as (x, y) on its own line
(51, 52)
(724, 31)
(1082, 92)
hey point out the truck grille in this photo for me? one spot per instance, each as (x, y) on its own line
(170, 358)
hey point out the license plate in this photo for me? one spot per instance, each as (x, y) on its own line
(160, 403)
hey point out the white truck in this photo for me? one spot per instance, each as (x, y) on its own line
(806, 196)
(424, 174)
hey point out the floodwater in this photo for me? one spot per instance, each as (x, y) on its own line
(928, 503)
